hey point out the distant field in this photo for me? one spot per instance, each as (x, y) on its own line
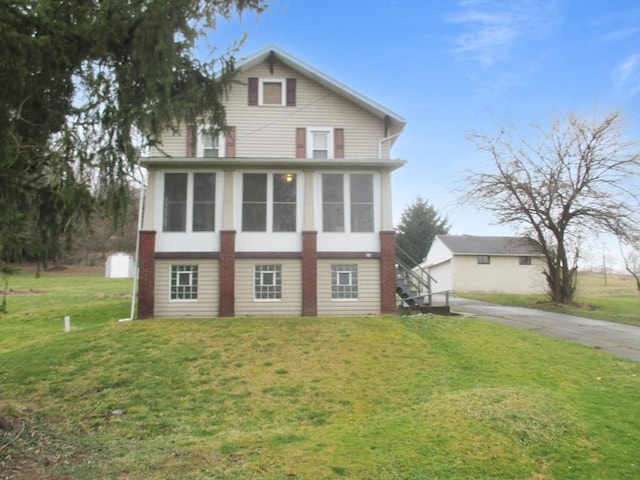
(298, 398)
(613, 284)
(618, 300)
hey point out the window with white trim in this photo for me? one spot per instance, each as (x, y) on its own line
(210, 145)
(204, 202)
(344, 282)
(361, 193)
(333, 202)
(272, 92)
(269, 202)
(320, 142)
(189, 202)
(267, 282)
(184, 282)
(175, 202)
(358, 212)
(284, 202)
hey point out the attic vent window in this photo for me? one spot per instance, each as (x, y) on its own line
(525, 261)
(276, 92)
(484, 259)
(272, 92)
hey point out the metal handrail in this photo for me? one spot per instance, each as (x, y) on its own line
(413, 260)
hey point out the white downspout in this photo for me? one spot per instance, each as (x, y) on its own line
(136, 272)
(382, 140)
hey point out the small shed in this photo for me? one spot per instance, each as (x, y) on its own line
(119, 265)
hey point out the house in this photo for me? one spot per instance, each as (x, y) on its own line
(467, 263)
(288, 213)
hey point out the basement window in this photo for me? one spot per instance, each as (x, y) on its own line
(267, 282)
(184, 282)
(344, 282)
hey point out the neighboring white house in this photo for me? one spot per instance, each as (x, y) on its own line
(467, 263)
(287, 213)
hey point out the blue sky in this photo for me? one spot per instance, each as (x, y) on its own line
(451, 67)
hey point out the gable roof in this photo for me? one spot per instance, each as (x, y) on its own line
(477, 245)
(325, 80)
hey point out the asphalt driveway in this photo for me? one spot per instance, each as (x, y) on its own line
(616, 338)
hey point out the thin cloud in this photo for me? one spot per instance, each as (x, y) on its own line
(627, 75)
(491, 29)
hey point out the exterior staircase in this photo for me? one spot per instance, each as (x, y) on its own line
(414, 289)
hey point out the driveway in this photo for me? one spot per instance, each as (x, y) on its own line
(616, 338)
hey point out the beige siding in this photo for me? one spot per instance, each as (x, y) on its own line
(171, 145)
(269, 131)
(208, 287)
(291, 302)
(503, 274)
(368, 302)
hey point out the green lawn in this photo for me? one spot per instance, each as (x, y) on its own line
(299, 398)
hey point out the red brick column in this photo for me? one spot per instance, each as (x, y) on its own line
(309, 274)
(387, 272)
(147, 274)
(227, 301)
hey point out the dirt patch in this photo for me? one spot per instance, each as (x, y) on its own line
(31, 291)
(63, 269)
(31, 447)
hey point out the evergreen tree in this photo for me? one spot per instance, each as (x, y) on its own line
(85, 85)
(419, 225)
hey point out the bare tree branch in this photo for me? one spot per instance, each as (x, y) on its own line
(580, 176)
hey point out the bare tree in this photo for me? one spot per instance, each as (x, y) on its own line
(631, 257)
(578, 178)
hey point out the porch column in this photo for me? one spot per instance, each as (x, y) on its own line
(309, 274)
(387, 272)
(309, 250)
(227, 265)
(227, 262)
(387, 217)
(147, 274)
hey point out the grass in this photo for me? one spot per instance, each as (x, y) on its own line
(307, 398)
(617, 301)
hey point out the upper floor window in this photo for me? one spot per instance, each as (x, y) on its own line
(272, 91)
(483, 259)
(319, 142)
(269, 202)
(210, 146)
(198, 214)
(203, 143)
